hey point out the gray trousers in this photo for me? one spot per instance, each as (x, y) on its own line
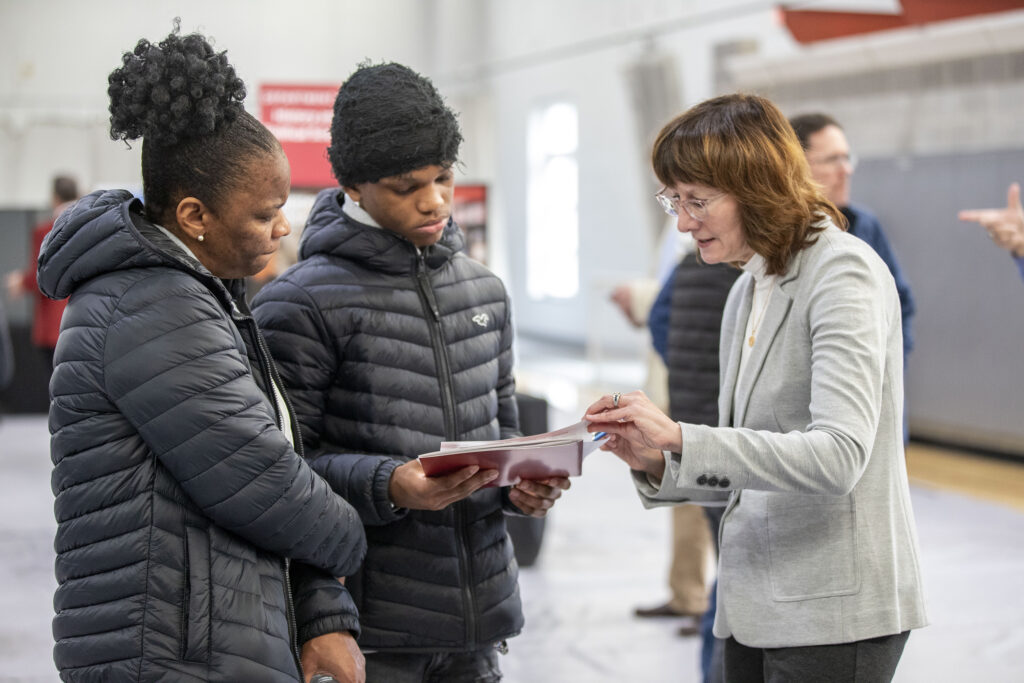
(863, 661)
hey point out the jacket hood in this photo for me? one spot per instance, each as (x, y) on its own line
(331, 231)
(105, 232)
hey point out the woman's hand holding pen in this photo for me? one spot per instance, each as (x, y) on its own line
(637, 429)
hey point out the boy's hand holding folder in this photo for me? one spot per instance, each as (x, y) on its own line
(554, 454)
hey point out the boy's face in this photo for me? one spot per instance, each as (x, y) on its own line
(416, 205)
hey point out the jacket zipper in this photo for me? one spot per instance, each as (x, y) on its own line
(289, 608)
(444, 372)
(270, 375)
(448, 408)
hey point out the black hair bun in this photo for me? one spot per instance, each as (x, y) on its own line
(176, 90)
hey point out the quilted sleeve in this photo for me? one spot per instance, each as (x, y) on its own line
(322, 604)
(173, 368)
(307, 361)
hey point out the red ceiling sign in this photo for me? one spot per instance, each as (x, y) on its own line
(300, 117)
(809, 26)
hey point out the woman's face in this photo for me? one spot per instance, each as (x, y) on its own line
(416, 205)
(719, 231)
(243, 234)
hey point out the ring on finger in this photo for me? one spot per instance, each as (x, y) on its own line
(615, 398)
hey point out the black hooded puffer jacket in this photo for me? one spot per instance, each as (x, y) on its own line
(177, 498)
(699, 291)
(387, 352)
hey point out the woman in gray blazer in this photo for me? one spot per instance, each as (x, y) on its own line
(819, 568)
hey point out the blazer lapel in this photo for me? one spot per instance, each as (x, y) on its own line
(732, 364)
(774, 317)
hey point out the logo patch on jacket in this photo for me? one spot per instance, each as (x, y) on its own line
(481, 319)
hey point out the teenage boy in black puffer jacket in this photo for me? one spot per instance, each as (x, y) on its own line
(391, 340)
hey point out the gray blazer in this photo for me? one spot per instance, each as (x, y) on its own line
(818, 542)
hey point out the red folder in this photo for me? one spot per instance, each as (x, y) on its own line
(555, 454)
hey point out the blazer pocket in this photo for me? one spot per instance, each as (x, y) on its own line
(812, 546)
(195, 612)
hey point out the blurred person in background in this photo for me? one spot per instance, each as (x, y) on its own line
(6, 350)
(46, 312)
(691, 542)
(686, 324)
(818, 570)
(1004, 226)
(832, 166)
(181, 494)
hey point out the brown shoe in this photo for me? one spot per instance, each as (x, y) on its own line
(665, 610)
(688, 630)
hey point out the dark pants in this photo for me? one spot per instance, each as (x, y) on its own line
(711, 647)
(476, 666)
(862, 661)
(711, 666)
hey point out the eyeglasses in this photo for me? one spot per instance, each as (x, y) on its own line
(836, 160)
(697, 209)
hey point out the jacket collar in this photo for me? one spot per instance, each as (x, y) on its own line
(331, 231)
(105, 232)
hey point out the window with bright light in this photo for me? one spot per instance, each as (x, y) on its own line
(552, 203)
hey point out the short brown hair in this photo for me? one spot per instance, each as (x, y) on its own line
(743, 145)
(806, 125)
(65, 189)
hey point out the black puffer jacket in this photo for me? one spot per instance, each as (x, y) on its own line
(177, 498)
(699, 291)
(386, 353)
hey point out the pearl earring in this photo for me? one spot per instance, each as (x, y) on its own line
(200, 238)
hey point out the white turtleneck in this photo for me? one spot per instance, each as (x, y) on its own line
(764, 285)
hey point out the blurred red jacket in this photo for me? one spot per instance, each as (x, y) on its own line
(47, 312)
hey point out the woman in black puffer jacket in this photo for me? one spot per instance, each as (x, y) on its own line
(180, 497)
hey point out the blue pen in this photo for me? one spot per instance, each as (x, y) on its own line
(599, 435)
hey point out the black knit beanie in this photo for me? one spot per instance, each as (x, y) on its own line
(389, 120)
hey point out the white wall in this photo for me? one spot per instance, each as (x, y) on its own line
(56, 55)
(534, 51)
(493, 59)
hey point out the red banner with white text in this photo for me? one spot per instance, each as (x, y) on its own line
(300, 117)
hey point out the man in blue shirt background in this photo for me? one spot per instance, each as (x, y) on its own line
(832, 166)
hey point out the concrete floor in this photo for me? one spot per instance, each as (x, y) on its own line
(603, 555)
(27, 527)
